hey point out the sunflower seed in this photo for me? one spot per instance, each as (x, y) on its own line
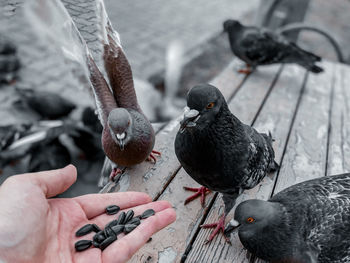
(135, 221)
(118, 229)
(112, 223)
(84, 230)
(95, 244)
(129, 227)
(121, 218)
(109, 232)
(99, 237)
(112, 209)
(129, 215)
(147, 213)
(107, 242)
(82, 245)
(96, 228)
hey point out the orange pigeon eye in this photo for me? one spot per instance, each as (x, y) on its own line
(210, 105)
(250, 220)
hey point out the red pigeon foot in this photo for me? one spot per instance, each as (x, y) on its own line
(152, 158)
(246, 70)
(218, 226)
(114, 173)
(201, 191)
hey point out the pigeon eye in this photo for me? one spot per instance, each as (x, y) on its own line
(250, 220)
(210, 105)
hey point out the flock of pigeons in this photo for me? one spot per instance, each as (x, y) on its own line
(307, 222)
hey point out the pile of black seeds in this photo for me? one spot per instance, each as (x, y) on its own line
(125, 223)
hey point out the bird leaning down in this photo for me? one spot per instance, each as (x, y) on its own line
(259, 46)
(307, 222)
(128, 137)
(220, 152)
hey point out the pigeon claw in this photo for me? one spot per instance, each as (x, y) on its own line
(218, 226)
(246, 71)
(114, 173)
(201, 191)
(152, 158)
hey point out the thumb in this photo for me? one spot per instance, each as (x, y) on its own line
(54, 182)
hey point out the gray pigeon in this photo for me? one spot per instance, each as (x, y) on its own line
(258, 46)
(220, 152)
(307, 222)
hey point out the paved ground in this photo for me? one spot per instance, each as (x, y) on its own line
(146, 27)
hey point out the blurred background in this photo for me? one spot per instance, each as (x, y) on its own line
(171, 46)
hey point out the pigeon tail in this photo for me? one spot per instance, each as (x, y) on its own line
(315, 69)
(307, 59)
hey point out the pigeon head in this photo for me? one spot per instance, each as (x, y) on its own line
(204, 102)
(120, 126)
(231, 25)
(252, 216)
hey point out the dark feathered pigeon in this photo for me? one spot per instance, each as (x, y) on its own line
(48, 156)
(257, 46)
(218, 151)
(307, 222)
(48, 105)
(128, 137)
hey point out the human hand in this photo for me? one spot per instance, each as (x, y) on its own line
(35, 228)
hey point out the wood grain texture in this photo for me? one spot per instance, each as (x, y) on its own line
(306, 152)
(339, 143)
(245, 106)
(170, 244)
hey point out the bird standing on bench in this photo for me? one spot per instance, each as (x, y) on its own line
(220, 152)
(257, 46)
(128, 137)
(307, 222)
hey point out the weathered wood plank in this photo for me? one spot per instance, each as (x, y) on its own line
(315, 93)
(173, 240)
(339, 143)
(245, 106)
(306, 152)
(152, 178)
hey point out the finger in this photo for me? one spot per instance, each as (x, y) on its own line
(53, 182)
(95, 204)
(124, 248)
(157, 206)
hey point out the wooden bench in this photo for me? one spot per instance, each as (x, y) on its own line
(308, 116)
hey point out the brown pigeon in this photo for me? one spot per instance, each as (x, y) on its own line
(128, 137)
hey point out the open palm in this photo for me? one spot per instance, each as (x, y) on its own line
(34, 228)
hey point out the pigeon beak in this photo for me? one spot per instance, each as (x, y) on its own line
(121, 145)
(120, 138)
(231, 226)
(190, 119)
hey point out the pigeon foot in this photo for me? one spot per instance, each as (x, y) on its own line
(152, 158)
(201, 191)
(218, 226)
(114, 173)
(246, 71)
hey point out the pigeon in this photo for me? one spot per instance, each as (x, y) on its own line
(9, 62)
(87, 137)
(128, 137)
(220, 152)
(307, 222)
(258, 46)
(48, 155)
(48, 105)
